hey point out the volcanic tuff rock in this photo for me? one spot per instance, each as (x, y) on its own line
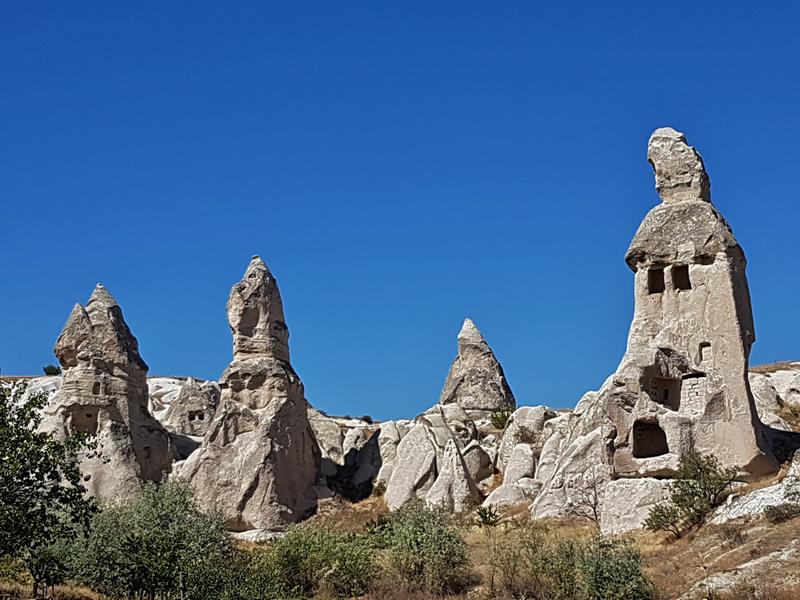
(682, 385)
(193, 409)
(476, 379)
(104, 392)
(259, 460)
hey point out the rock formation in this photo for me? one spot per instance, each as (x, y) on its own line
(682, 384)
(476, 380)
(104, 392)
(259, 459)
(193, 409)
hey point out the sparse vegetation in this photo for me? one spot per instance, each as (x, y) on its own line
(52, 370)
(699, 486)
(423, 548)
(782, 512)
(531, 566)
(500, 418)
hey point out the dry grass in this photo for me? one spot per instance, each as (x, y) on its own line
(16, 591)
(342, 515)
(676, 566)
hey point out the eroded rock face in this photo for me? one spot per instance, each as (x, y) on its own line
(259, 459)
(193, 409)
(476, 379)
(104, 392)
(454, 489)
(682, 384)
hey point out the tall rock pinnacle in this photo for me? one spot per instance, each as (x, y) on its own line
(476, 379)
(258, 461)
(104, 392)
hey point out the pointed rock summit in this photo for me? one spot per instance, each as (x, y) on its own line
(476, 380)
(680, 173)
(259, 459)
(255, 314)
(104, 392)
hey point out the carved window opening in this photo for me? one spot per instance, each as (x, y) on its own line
(83, 420)
(197, 415)
(655, 281)
(705, 352)
(648, 440)
(96, 388)
(680, 277)
(666, 391)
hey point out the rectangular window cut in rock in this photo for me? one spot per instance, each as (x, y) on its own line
(680, 277)
(655, 280)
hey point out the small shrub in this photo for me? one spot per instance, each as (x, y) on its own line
(612, 570)
(424, 548)
(732, 535)
(52, 370)
(699, 486)
(500, 418)
(315, 559)
(782, 512)
(379, 488)
(533, 568)
(487, 516)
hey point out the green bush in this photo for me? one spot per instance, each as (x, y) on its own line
(612, 570)
(315, 559)
(52, 370)
(156, 544)
(782, 512)
(699, 486)
(500, 418)
(424, 548)
(534, 568)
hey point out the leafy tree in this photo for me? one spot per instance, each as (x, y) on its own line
(42, 496)
(699, 486)
(52, 370)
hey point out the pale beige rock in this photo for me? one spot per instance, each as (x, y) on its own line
(626, 503)
(521, 464)
(682, 384)
(193, 409)
(104, 392)
(476, 379)
(525, 426)
(753, 503)
(454, 489)
(258, 463)
(414, 468)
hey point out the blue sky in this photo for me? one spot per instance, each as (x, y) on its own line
(399, 166)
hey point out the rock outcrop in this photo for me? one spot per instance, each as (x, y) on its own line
(104, 392)
(476, 380)
(193, 408)
(682, 384)
(259, 459)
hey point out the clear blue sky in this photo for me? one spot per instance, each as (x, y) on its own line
(398, 167)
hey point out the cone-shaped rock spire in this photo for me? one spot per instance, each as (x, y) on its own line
(104, 392)
(255, 314)
(476, 380)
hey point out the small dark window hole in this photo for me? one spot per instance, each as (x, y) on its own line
(680, 277)
(655, 281)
